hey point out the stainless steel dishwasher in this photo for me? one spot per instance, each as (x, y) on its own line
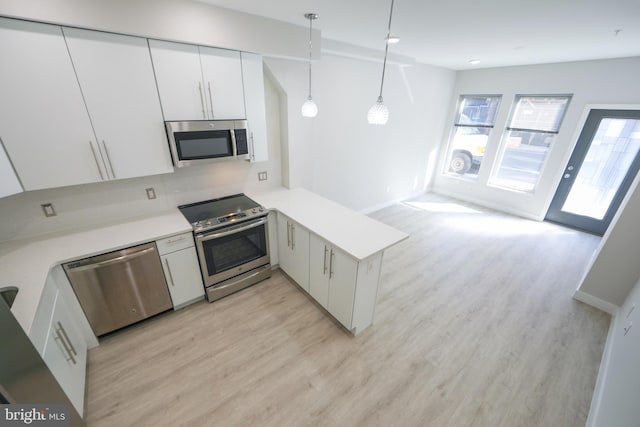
(119, 288)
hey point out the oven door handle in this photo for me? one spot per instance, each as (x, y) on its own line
(242, 227)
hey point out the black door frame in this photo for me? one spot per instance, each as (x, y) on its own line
(580, 222)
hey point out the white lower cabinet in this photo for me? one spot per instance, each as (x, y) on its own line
(181, 269)
(344, 286)
(57, 334)
(293, 250)
(65, 353)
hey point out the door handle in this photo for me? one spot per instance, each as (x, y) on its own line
(95, 157)
(201, 92)
(331, 264)
(166, 262)
(68, 347)
(293, 237)
(325, 260)
(106, 152)
(210, 99)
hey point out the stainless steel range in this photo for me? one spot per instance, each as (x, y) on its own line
(232, 240)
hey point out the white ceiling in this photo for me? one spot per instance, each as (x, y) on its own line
(449, 33)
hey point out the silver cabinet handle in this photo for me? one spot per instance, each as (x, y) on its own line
(106, 152)
(177, 239)
(210, 99)
(331, 263)
(288, 234)
(66, 337)
(67, 347)
(324, 271)
(95, 157)
(293, 237)
(166, 261)
(253, 148)
(201, 92)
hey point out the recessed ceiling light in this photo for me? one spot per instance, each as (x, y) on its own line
(474, 61)
(393, 39)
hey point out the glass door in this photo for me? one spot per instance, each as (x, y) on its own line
(600, 171)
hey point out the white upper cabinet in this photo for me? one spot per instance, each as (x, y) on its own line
(179, 78)
(9, 183)
(222, 76)
(197, 83)
(117, 81)
(253, 78)
(43, 120)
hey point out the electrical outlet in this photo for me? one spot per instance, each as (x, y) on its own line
(151, 193)
(262, 176)
(48, 210)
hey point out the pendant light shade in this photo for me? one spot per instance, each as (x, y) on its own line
(379, 113)
(309, 107)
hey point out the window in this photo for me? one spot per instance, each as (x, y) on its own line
(474, 120)
(535, 121)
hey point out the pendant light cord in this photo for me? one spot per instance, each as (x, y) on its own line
(310, 50)
(386, 50)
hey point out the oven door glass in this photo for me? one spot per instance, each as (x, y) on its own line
(233, 250)
(207, 144)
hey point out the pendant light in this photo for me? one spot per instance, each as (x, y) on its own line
(309, 108)
(379, 113)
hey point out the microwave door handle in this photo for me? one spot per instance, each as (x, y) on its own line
(234, 147)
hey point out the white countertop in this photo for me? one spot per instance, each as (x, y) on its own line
(26, 263)
(353, 232)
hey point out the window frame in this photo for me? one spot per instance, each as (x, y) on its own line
(497, 163)
(445, 171)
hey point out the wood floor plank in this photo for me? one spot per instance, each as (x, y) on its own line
(475, 326)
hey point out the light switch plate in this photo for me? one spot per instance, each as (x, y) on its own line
(262, 176)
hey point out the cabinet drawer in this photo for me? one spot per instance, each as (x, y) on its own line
(175, 243)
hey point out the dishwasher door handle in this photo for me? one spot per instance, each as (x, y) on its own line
(111, 261)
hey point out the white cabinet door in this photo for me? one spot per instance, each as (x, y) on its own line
(179, 77)
(182, 272)
(9, 183)
(117, 81)
(343, 271)
(65, 354)
(319, 258)
(293, 250)
(254, 98)
(222, 78)
(43, 120)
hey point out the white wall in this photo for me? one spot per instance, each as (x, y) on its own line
(338, 154)
(92, 204)
(591, 82)
(615, 400)
(615, 268)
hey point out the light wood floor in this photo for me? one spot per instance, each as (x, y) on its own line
(475, 326)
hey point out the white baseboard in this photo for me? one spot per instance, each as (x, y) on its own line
(486, 204)
(596, 302)
(370, 209)
(598, 390)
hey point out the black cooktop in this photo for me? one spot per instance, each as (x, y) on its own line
(216, 213)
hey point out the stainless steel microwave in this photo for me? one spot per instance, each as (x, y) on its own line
(204, 141)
